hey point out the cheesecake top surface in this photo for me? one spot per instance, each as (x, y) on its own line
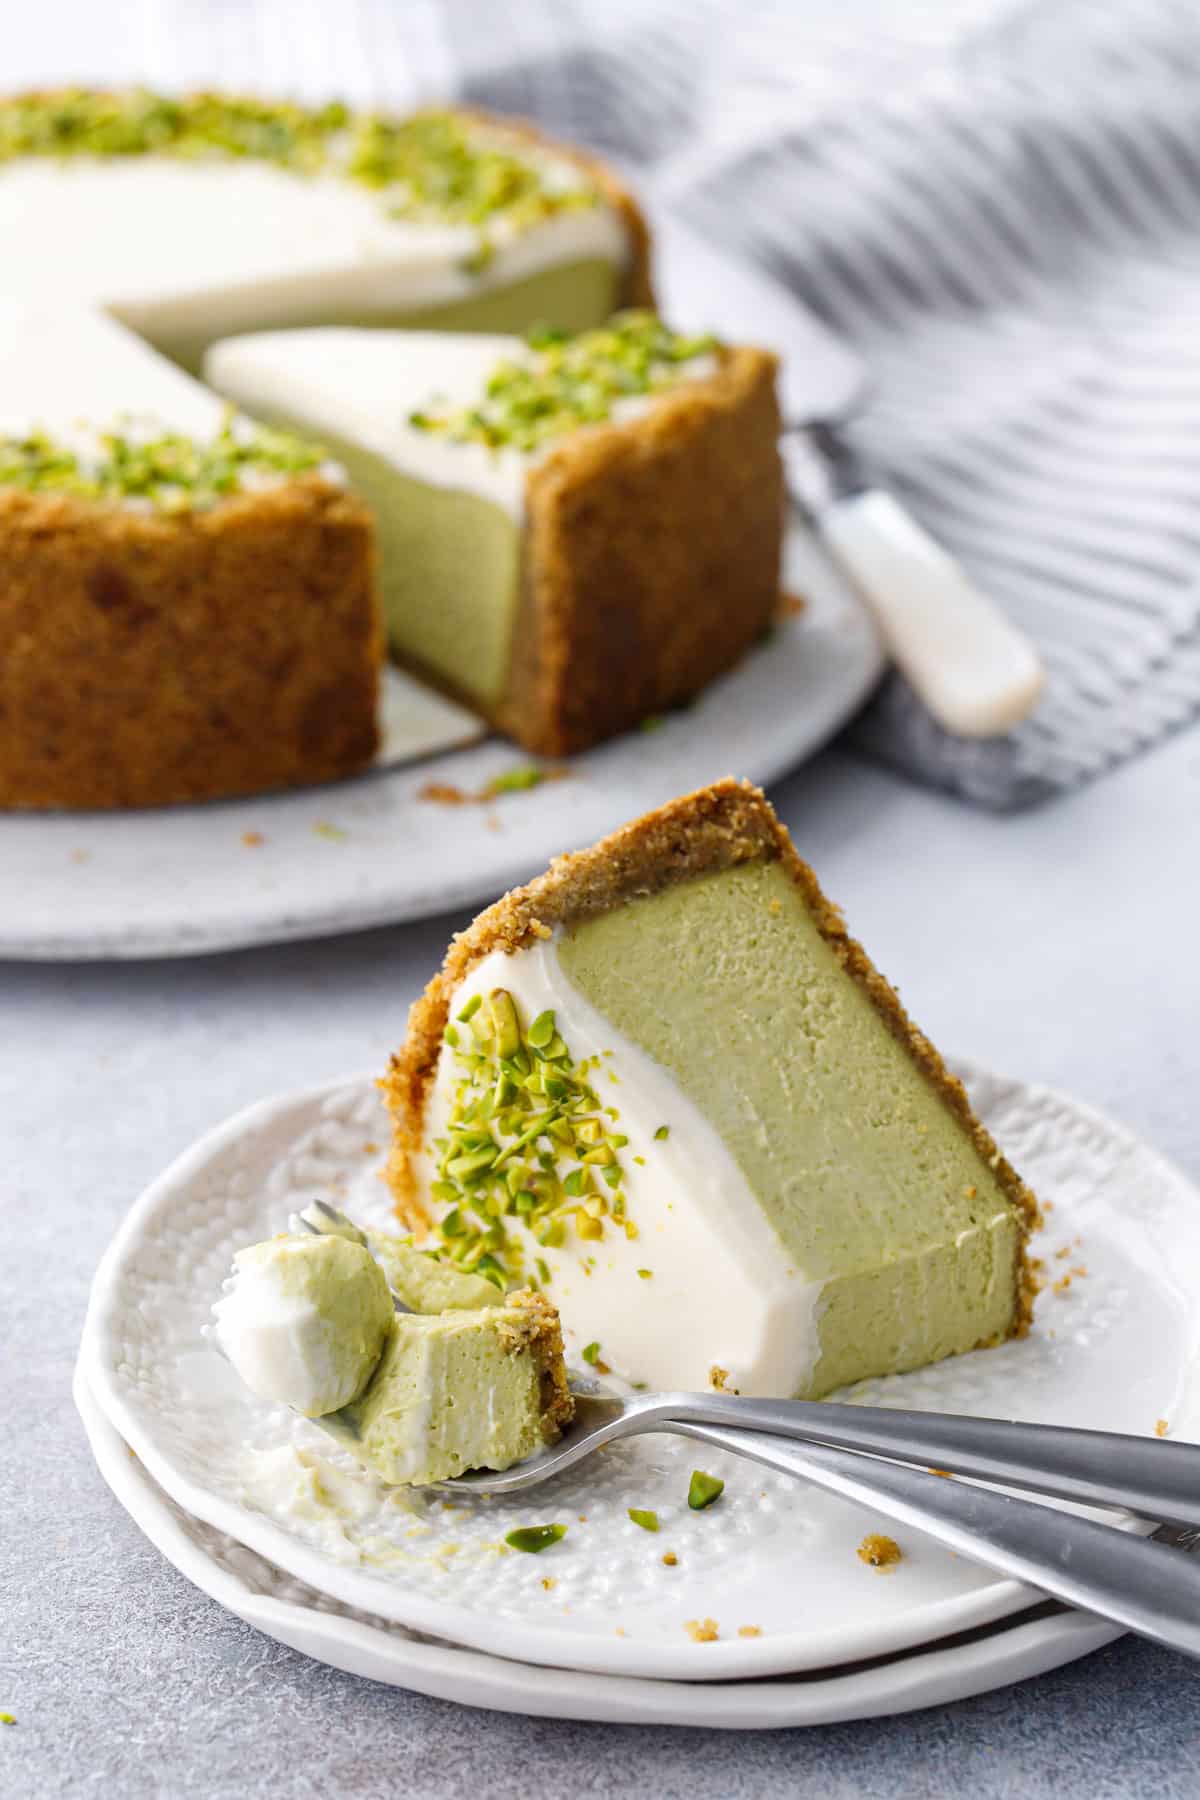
(466, 411)
(137, 200)
(90, 413)
(436, 165)
(554, 383)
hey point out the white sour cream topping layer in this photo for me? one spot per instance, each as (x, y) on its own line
(721, 1290)
(186, 251)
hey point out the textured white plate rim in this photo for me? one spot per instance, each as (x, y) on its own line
(782, 1652)
(918, 1678)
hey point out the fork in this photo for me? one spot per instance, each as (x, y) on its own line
(866, 1455)
(1135, 1581)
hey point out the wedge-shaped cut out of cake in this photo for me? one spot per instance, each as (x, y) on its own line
(187, 601)
(663, 1083)
(575, 533)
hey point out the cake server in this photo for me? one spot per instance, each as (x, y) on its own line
(975, 672)
(1138, 1582)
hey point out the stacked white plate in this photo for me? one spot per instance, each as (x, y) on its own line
(411, 1590)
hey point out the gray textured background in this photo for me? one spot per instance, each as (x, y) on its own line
(1060, 945)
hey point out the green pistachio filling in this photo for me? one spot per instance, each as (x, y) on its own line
(171, 472)
(569, 381)
(432, 167)
(527, 1144)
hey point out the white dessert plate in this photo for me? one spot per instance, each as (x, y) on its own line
(255, 1590)
(1114, 1346)
(371, 851)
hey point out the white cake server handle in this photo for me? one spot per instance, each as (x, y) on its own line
(975, 672)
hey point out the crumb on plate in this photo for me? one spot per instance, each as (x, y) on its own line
(880, 1552)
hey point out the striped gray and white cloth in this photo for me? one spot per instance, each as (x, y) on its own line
(997, 203)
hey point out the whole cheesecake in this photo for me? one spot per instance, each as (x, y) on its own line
(665, 1086)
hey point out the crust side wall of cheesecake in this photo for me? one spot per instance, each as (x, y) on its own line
(704, 834)
(150, 660)
(652, 559)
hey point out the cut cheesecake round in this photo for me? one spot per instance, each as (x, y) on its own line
(192, 218)
(575, 533)
(188, 607)
(665, 1085)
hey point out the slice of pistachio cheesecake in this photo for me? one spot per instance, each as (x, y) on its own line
(188, 607)
(575, 532)
(469, 1379)
(664, 1084)
(192, 217)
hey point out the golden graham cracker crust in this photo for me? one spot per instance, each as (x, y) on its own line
(152, 658)
(539, 1330)
(715, 828)
(651, 560)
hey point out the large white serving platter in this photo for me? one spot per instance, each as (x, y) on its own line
(1041, 1638)
(178, 880)
(1116, 1349)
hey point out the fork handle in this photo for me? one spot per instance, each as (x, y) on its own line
(1156, 1480)
(1145, 1586)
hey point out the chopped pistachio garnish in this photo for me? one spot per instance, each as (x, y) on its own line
(7, 1718)
(643, 1517)
(565, 382)
(526, 1145)
(703, 1490)
(432, 167)
(664, 1131)
(137, 122)
(514, 781)
(436, 166)
(535, 1537)
(645, 1274)
(171, 472)
(590, 1353)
